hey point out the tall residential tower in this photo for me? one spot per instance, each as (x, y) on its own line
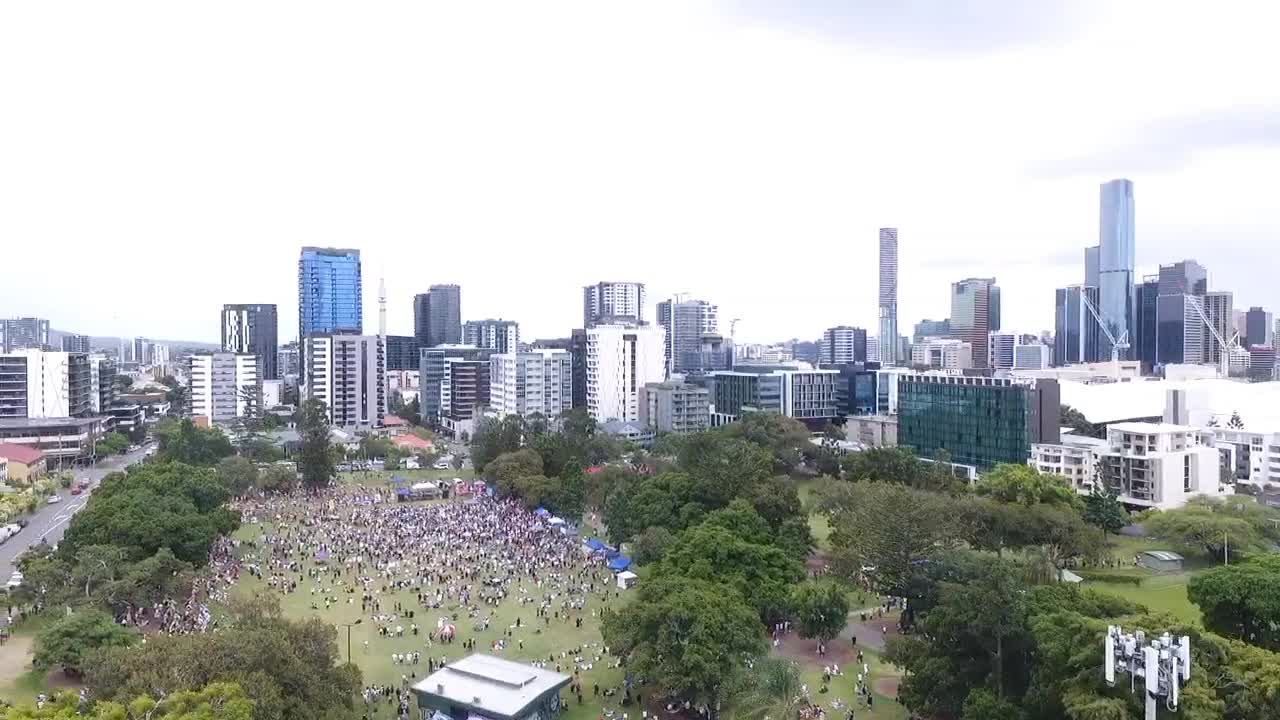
(252, 329)
(888, 296)
(1115, 263)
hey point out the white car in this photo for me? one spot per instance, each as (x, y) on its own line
(15, 580)
(54, 499)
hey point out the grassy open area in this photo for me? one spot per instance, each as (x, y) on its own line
(1160, 592)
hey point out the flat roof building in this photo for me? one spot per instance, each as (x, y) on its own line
(487, 686)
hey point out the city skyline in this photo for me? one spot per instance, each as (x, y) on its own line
(1006, 187)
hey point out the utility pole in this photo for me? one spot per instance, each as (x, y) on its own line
(348, 627)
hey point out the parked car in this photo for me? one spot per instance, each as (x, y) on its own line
(15, 580)
(54, 499)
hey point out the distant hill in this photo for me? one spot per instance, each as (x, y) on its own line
(107, 342)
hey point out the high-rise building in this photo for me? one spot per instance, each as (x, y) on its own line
(977, 421)
(223, 387)
(842, 345)
(686, 323)
(1030, 356)
(675, 407)
(348, 374)
(612, 303)
(1218, 308)
(464, 390)
(330, 294)
(943, 354)
(1262, 366)
(1145, 327)
(253, 329)
(24, 333)
(1000, 350)
(807, 395)
(1258, 328)
(930, 328)
(102, 382)
(888, 338)
(1075, 337)
(433, 369)
(1116, 262)
(402, 352)
(502, 336)
(437, 316)
(527, 383)
(1180, 329)
(1091, 275)
(288, 364)
(75, 343)
(1187, 277)
(971, 315)
(42, 384)
(621, 359)
(993, 310)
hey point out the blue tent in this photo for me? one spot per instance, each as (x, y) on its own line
(542, 512)
(620, 563)
(595, 544)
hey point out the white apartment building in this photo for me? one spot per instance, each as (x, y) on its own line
(223, 387)
(1255, 456)
(538, 381)
(45, 384)
(1032, 356)
(620, 361)
(943, 354)
(1000, 350)
(612, 302)
(1152, 465)
(348, 374)
(500, 335)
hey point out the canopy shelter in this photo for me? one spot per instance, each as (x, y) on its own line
(627, 579)
(619, 563)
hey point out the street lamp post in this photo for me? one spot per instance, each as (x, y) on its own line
(348, 626)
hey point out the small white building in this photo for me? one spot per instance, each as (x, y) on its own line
(944, 354)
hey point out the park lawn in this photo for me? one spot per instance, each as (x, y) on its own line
(540, 640)
(24, 684)
(1159, 593)
(883, 708)
(819, 525)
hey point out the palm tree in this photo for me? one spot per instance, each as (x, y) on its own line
(770, 691)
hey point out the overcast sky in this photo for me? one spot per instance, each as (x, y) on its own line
(158, 159)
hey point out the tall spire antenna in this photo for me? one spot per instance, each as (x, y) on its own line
(382, 307)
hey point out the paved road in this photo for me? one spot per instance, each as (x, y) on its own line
(50, 521)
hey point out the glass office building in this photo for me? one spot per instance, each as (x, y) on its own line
(977, 421)
(329, 292)
(1115, 264)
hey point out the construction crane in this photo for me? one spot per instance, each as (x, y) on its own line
(1224, 363)
(1116, 345)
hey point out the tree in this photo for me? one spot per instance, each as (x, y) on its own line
(772, 689)
(181, 441)
(895, 465)
(1242, 601)
(651, 545)
(758, 571)
(219, 701)
(314, 459)
(821, 609)
(1235, 423)
(686, 636)
(1074, 419)
(278, 478)
(1201, 529)
(886, 529)
(113, 443)
(495, 437)
(97, 563)
(508, 467)
(1025, 485)
(71, 639)
(290, 670)
(723, 467)
(785, 438)
(1102, 509)
(237, 474)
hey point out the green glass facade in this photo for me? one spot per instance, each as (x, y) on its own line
(977, 420)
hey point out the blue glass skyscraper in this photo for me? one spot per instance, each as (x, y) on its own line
(1115, 265)
(329, 292)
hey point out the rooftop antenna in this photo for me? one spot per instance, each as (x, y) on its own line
(1164, 665)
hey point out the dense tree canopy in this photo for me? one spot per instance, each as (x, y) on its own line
(69, 640)
(687, 636)
(181, 441)
(288, 669)
(1207, 529)
(1024, 485)
(219, 701)
(821, 609)
(1242, 601)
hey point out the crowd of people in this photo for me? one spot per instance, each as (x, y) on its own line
(421, 575)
